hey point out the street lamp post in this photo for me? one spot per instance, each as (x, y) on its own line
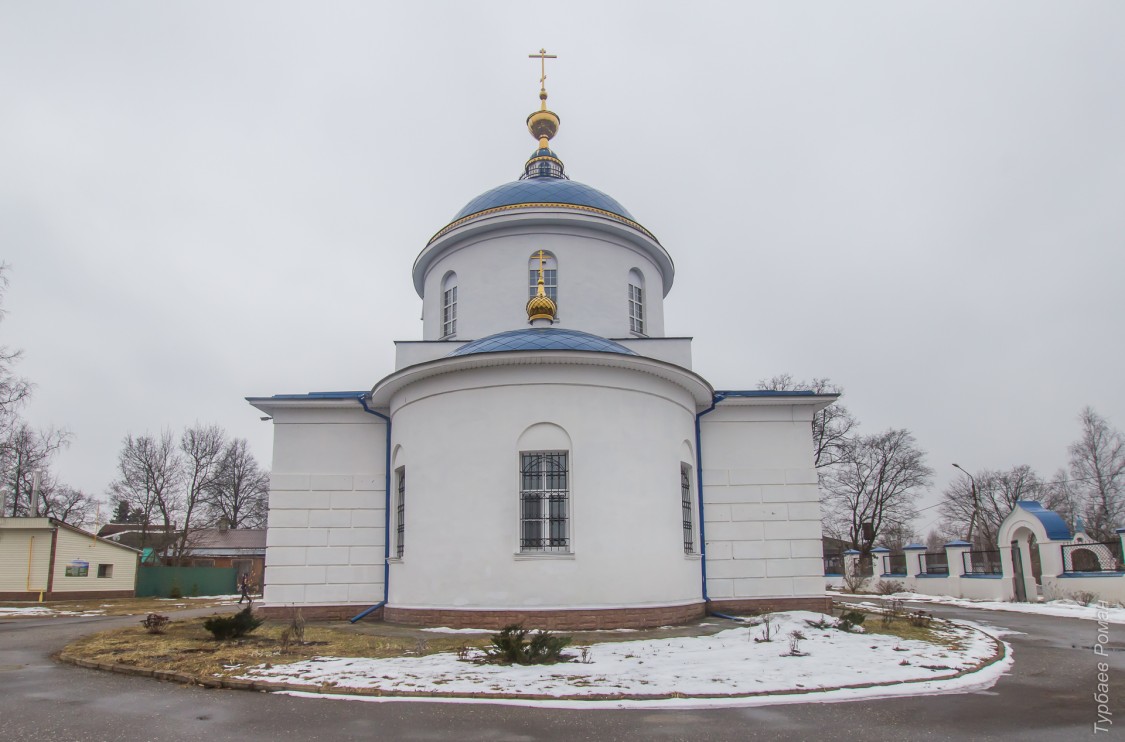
(976, 503)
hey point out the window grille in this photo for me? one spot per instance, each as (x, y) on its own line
(544, 501)
(685, 508)
(449, 312)
(550, 283)
(636, 309)
(400, 513)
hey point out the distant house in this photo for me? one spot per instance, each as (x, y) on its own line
(241, 548)
(46, 559)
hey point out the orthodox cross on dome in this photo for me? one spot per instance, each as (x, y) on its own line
(543, 56)
(543, 124)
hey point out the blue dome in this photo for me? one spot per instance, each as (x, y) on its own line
(543, 190)
(541, 338)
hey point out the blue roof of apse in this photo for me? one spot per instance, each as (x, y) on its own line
(543, 190)
(1052, 521)
(541, 338)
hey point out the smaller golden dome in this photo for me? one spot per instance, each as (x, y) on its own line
(540, 306)
(543, 124)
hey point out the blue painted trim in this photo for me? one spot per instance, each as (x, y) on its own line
(852, 551)
(1053, 523)
(362, 398)
(1092, 574)
(309, 395)
(958, 543)
(932, 577)
(833, 574)
(894, 574)
(769, 393)
(1119, 530)
(718, 397)
(880, 550)
(914, 547)
(984, 577)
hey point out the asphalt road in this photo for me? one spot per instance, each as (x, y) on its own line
(1048, 696)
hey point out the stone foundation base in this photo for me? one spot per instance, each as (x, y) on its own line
(581, 619)
(317, 612)
(33, 596)
(734, 606)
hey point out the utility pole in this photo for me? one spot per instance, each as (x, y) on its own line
(976, 503)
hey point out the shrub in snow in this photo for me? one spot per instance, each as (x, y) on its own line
(795, 638)
(512, 646)
(851, 621)
(769, 627)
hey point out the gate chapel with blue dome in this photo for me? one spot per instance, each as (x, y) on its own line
(544, 454)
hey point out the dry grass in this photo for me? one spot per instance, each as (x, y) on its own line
(187, 647)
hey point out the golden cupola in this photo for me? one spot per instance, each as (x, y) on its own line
(541, 306)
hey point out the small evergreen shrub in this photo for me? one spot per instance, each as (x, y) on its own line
(232, 627)
(512, 646)
(175, 592)
(850, 620)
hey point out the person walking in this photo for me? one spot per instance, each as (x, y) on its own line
(244, 587)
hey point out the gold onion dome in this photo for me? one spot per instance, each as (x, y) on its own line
(541, 306)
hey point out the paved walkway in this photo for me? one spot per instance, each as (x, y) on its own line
(1049, 696)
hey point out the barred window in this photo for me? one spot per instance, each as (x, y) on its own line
(449, 312)
(686, 508)
(449, 305)
(636, 302)
(544, 501)
(400, 512)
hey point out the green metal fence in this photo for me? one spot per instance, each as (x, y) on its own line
(170, 582)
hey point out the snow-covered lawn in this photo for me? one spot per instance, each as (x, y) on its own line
(1064, 608)
(719, 669)
(29, 611)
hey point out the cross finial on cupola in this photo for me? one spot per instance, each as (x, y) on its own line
(541, 308)
(543, 125)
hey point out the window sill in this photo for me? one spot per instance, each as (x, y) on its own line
(530, 556)
(636, 334)
(695, 556)
(394, 560)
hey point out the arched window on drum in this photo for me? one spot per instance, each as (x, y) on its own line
(550, 276)
(449, 305)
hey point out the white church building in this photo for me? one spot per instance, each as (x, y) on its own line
(544, 453)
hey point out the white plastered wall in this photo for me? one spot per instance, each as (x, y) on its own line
(762, 506)
(492, 282)
(460, 436)
(326, 531)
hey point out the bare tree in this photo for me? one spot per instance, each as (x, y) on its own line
(71, 506)
(240, 491)
(14, 390)
(149, 472)
(897, 534)
(201, 454)
(997, 495)
(1097, 466)
(25, 454)
(832, 427)
(877, 482)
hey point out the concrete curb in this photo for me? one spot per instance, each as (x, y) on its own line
(999, 654)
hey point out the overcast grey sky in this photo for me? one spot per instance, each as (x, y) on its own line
(922, 201)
